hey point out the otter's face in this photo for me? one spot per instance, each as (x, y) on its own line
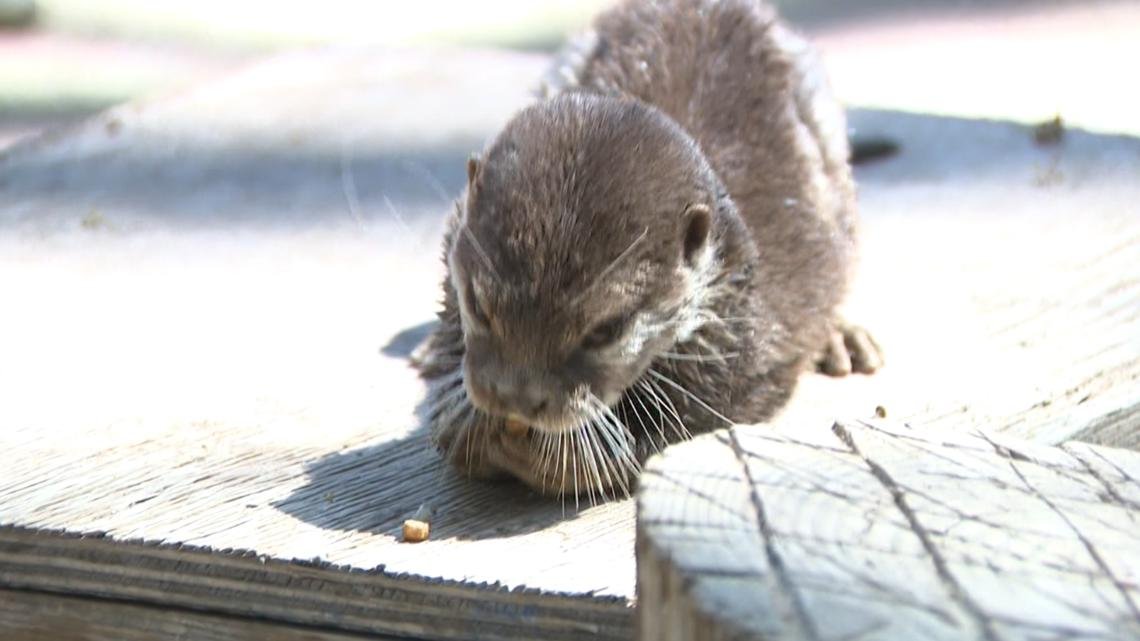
(576, 263)
(550, 363)
(553, 362)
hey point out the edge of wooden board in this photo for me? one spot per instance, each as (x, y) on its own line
(242, 583)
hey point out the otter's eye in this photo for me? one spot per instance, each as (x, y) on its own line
(473, 306)
(605, 333)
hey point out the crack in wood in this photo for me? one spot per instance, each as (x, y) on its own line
(784, 439)
(1085, 541)
(1108, 487)
(1052, 630)
(704, 496)
(862, 634)
(794, 472)
(889, 596)
(925, 446)
(960, 515)
(980, 624)
(791, 600)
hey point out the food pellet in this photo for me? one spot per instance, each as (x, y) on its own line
(416, 531)
(516, 428)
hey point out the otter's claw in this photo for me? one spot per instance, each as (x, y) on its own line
(850, 349)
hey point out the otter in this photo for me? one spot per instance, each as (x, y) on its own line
(656, 247)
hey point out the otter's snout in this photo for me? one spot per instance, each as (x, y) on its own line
(519, 397)
(520, 393)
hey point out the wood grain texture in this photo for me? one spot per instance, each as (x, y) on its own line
(879, 531)
(229, 363)
(245, 585)
(37, 616)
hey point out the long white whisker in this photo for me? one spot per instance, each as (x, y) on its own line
(470, 437)
(540, 462)
(470, 236)
(588, 436)
(737, 319)
(665, 403)
(700, 358)
(348, 184)
(602, 441)
(601, 277)
(576, 439)
(673, 409)
(596, 465)
(574, 466)
(604, 461)
(660, 431)
(428, 177)
(665, 379)
(562, 449)
(550, 456)
(614, 435)
(644, 386)
(622, 438)
(396, 214)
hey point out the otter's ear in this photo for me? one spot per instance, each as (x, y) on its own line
(472, 170)
(697, 223)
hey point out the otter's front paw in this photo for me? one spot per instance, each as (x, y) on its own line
(850, 349)
(465, 439)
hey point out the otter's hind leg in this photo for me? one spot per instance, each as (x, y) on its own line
(849, 348)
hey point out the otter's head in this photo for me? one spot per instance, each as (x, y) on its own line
(583, 252)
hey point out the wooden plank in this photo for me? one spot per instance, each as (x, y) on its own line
(233, 360)
(985, 323)
(246, 585)
(31, 616)
(872, 530)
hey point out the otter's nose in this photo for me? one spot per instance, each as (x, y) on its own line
(518, 396)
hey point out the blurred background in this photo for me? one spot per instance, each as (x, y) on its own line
(1021, 60)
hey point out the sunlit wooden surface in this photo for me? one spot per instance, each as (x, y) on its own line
(872, 530)
(208, 301)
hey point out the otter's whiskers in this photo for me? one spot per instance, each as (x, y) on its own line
(668, 381)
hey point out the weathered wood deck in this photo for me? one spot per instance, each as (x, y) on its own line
(208, 419)
(871, 530)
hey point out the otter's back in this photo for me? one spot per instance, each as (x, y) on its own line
(754, 97)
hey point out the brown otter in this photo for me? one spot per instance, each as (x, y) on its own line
(657, 247)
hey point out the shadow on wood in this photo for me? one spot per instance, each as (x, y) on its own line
(373, 489)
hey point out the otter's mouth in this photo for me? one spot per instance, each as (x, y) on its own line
(568, 422)
(573, 417)
(561, 416)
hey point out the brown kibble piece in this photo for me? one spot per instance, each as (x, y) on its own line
(1049, 132)
(416, 531)
(516, 428)
(880, 411)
